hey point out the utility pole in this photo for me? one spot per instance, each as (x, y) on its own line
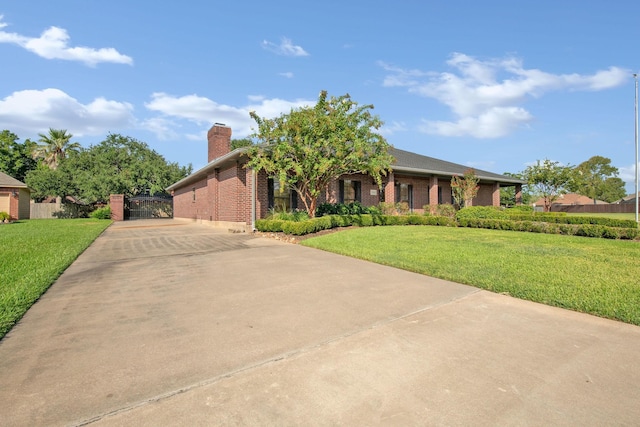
(635, 76)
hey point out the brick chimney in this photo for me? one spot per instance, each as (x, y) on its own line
(219, 137)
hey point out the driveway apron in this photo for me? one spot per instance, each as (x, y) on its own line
(162, 322)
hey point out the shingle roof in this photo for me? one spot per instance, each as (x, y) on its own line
(407, 161)
(7, 181)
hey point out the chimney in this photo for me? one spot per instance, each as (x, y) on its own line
(219, 137)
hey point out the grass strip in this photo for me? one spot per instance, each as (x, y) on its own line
(33, 254)
(596, 276)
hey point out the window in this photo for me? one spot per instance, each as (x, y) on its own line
(350, 191)
(404, 194)
(281, 199)
(193, 193)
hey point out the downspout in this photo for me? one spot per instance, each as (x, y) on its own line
(253, 200)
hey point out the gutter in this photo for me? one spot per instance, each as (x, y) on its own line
(421, 171)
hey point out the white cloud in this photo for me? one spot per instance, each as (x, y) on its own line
(53, 44)
(486, 96)
(285, 48)
(390, 129)
(628, 175)
(287, 74)
(34, 111)
(204, 111)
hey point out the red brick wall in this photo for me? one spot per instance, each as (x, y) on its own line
(116, 202)
(219, 141)
(485, 196)
(184, 205)
(228, 187)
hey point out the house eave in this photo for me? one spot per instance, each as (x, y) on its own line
(420, 171)
(205, 171)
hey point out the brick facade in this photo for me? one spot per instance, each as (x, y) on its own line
(223, 192)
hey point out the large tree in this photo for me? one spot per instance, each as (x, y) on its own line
(117, 165)
(311, 146)
(598, 179)
(55, 146)
(15, 157)
(549, 180)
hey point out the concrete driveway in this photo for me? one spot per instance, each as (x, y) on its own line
(167, 323)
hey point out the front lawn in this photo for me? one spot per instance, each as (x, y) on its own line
(33, 254)
(596, 276)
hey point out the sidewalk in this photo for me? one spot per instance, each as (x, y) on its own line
(167, 323)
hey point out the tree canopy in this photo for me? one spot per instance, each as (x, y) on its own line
(311, 146)
(54, 147)
(549, 180)
(15, 157)
(117, 165)
(598, 179)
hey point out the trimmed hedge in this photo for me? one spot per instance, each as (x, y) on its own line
(586, 230)
(576, 220)
(472, 217)
(332, 221)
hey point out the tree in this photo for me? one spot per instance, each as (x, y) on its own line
(508, 194)
(117, 165)
(598, 179)
(15, 157)
(312, 146)
(238, 143)
(54, 147)
(548, 180)
(465, 188)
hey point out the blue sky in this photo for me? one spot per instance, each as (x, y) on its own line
(494, 85)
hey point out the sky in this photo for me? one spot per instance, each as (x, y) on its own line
(495, 85)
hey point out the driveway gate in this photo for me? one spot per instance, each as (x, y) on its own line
(146, 206)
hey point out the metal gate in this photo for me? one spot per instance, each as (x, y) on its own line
(147, 206)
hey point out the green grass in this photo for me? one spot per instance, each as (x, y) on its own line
(596, 276)
(33, 254)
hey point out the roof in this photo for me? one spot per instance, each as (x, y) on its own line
(572, 199)
(202, 173)
(409, 162)
(631, 198)
(406, 162)
(7, 181)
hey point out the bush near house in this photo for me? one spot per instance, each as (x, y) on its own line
(487, 217)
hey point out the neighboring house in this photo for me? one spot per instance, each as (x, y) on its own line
(631, 198)
(225, 193)
(571, 199)
(14, 197)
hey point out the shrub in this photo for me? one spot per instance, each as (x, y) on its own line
(289, 216)
(73, 210)
(4, 215)
(402, 208)
(387, 208)
(520, 209)
(101, 213)
(478, 212)
(446, 209)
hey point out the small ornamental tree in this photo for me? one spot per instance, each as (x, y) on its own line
(312, 146)
(465, 188)
(548, 180)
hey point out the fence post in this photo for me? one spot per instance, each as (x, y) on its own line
(116, 201)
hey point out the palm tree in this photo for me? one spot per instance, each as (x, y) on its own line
(54, 147)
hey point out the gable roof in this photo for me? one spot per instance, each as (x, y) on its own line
(409, 162)
(8, 181)
(572, 199)
(406, 162)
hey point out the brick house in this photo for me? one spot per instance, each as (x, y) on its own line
(14, 197)
(224, 193)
